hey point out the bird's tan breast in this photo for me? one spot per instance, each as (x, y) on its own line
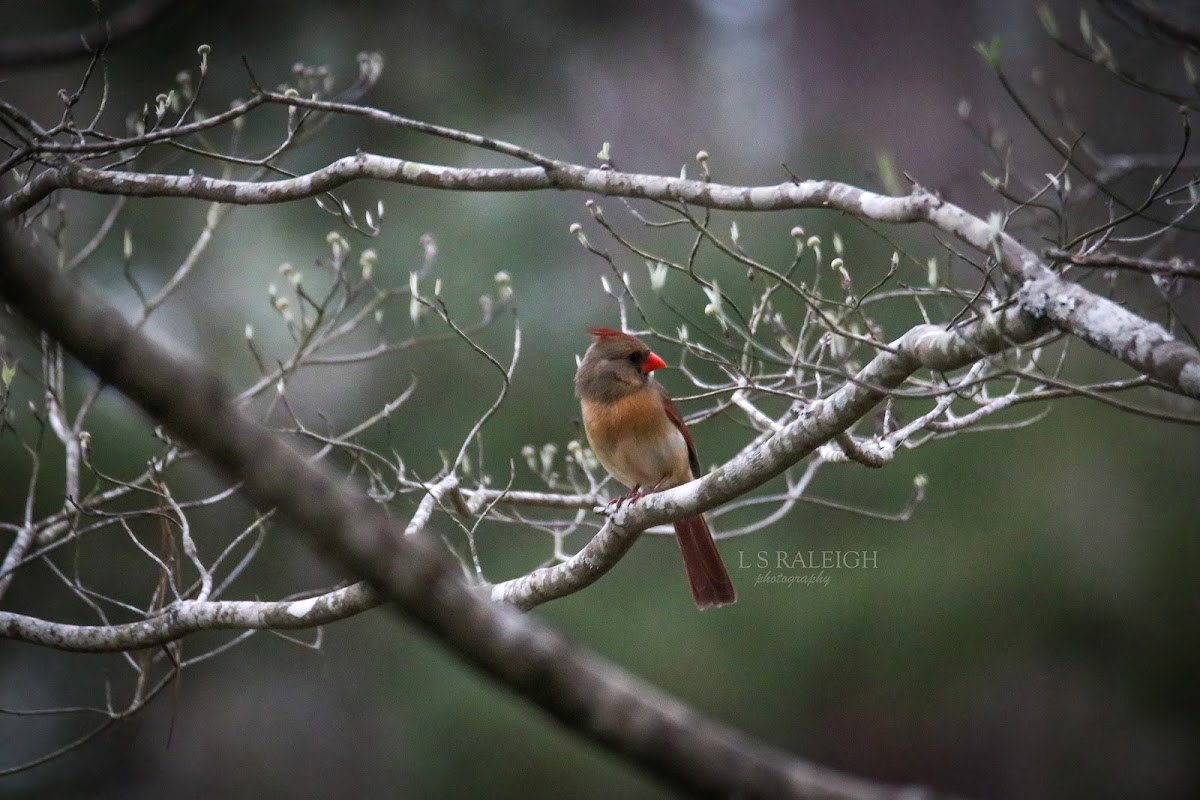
(635, 440)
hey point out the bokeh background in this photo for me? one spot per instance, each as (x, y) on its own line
(1029, 633)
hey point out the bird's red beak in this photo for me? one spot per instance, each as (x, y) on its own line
(652, 363)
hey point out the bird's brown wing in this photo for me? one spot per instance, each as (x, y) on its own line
(677, 421)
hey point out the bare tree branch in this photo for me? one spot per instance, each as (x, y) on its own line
(1107, 326)
(184, 617)
(1173, 267)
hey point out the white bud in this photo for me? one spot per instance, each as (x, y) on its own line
(338, 244)
(658, 275)
(549, 451)
(995, 223)
(713, 309)
(367, 260)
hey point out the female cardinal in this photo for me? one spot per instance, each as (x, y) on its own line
(641, 440)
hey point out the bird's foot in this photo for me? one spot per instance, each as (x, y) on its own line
(632, 496)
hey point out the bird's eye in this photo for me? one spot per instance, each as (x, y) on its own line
(636, 358)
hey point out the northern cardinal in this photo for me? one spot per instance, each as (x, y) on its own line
(641, 440)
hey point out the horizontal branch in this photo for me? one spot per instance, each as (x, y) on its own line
(1120, 333)
(501, 497)
(190, 616)
(925, 346)
(790, 195)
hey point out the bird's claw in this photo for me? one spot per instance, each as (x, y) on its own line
(632, 497)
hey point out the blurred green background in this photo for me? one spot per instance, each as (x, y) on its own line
(1029, 633)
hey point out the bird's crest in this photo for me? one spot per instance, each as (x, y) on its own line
(608, 333)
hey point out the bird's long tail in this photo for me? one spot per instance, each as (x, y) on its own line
(711, 584)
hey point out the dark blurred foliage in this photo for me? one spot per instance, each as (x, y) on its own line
(1029, 633)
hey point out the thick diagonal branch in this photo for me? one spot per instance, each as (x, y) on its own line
(595, 699)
